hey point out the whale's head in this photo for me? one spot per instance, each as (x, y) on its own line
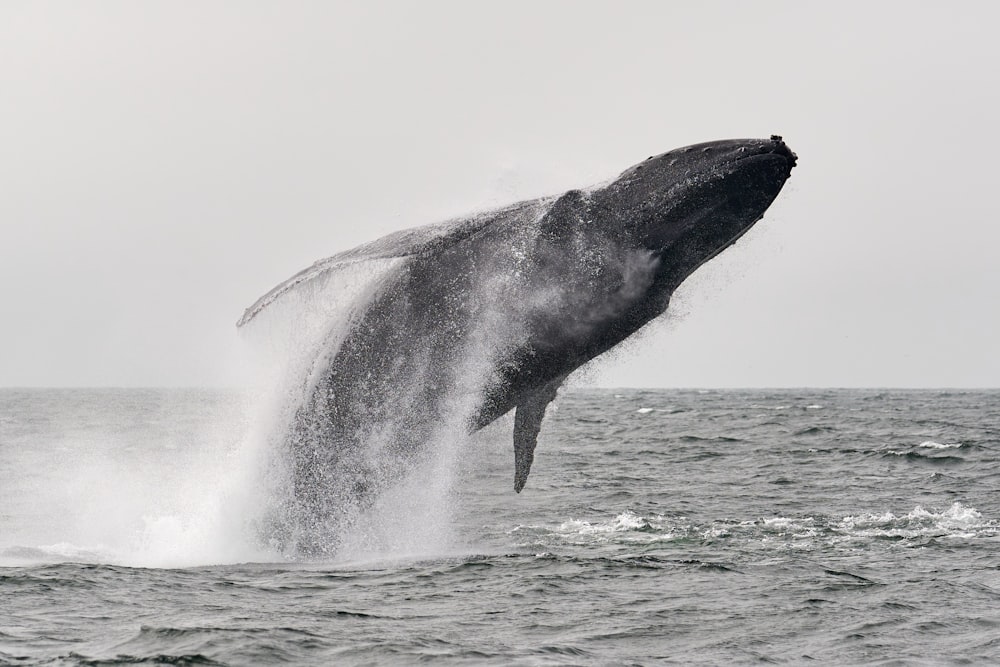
(689, 204)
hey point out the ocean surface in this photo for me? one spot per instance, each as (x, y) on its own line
(657, 527)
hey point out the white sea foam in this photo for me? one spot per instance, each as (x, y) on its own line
(956, 521)
(779, 532)
(624, 522)
(797, 528)
(626, 527)
(930, 444)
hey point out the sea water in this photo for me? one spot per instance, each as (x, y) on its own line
(657, 526)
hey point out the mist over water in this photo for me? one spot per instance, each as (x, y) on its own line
(137, 477)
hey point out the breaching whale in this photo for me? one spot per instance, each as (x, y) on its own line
(490, 313)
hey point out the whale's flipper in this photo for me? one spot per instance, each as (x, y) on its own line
(527, 423)
(404, 243)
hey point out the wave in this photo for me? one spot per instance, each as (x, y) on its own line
(924, 458)
(930, 444)
(815, 430)
(698, 438)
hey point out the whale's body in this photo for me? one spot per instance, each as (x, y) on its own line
(488, 314)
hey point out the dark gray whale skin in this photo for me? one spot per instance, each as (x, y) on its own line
(488, 314)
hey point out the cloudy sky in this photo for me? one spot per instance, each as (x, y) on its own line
(163, 164)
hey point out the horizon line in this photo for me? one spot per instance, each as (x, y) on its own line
(568, 388)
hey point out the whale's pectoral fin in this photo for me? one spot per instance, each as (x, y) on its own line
(405, 243)
(527, 423)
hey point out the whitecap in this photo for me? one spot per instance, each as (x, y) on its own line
(789, 527)
(957, 521)
(627, 526)
(930, 444)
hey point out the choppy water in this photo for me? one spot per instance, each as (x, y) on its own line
(657, 527)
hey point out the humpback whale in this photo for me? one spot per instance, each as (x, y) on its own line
(490, 313)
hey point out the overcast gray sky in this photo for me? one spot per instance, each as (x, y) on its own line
(163, 164)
